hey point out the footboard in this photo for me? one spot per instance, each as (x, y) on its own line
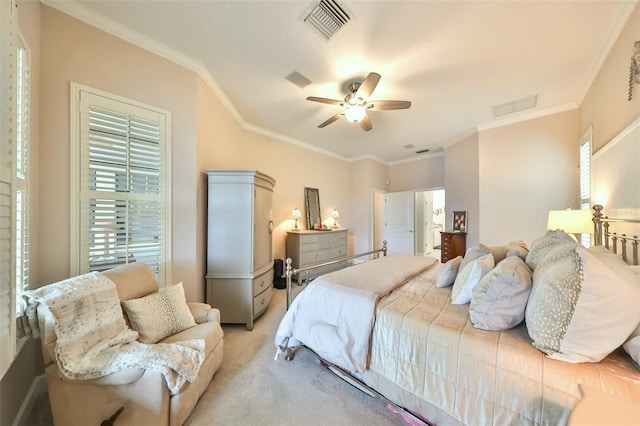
(290, 272)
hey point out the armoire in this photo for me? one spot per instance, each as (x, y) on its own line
(239, 254)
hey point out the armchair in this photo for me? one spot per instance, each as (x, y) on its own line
(142, 393)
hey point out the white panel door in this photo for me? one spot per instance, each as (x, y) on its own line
(399, 224)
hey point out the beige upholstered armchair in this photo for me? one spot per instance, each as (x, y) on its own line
(143, 394)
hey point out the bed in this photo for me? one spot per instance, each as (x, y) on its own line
(505, 352)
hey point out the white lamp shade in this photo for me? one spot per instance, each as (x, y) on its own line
(296, 213)
(571, 221)
(335, 214)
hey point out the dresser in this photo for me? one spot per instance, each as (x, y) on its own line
(239, 258)
(454, 244)
(306, 248)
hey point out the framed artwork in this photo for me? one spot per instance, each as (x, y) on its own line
(460, 221)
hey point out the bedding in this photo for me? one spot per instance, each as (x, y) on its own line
(335, 313)
(478, 363)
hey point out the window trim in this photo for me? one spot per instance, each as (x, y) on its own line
(585, 138)
(76, 89)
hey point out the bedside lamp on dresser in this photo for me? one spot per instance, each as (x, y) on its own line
(454, 244)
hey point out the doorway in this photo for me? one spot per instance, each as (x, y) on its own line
(410, 221)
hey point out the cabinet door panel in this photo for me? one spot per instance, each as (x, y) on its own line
(262, 228)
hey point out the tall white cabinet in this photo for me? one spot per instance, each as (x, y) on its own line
(239, 259)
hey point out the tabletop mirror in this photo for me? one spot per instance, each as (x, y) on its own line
(312, 204)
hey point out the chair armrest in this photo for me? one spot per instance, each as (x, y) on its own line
(203, 312)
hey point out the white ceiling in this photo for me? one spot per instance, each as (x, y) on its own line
(453, 59)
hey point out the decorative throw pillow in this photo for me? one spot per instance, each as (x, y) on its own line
(448, 272)
(474, 253)
(160, 314)
(499, 300)
(469, 277)
(579, 309)
(517, 248)
(541, 247)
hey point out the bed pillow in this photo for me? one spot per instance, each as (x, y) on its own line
(579, 309)
(541, 247)
(468, 277)
(517, 248)
(473, 253)
(632, 347)
(448, 272)
(499, 300)
(160, 314)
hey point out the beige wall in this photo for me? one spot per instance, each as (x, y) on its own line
(365, 176)
(525, 170)
(76, 52)
(462, 189)
(605, 105)
(425, 173)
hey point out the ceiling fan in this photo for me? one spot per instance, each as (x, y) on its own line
(357, 103)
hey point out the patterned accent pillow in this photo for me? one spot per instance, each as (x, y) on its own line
(579, 309)
(468, 277)
(160, 314)
(448, 272)
(499, 300)
(541, 247)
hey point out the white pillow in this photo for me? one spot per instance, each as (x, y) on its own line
(499, 300)
(160, 314)
(580, 309)
(468, 277)
(448, 272)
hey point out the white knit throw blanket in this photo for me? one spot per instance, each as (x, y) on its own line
(93, 339)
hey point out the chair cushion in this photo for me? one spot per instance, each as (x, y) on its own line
(211, 332)
(133, 280)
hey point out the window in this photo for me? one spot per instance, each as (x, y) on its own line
(122, 212)
(21, 211)
(585, 178)
(14, 181)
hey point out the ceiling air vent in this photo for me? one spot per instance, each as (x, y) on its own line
(515, 106)
(327, 17)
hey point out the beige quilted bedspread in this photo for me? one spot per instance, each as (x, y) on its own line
(429, 347)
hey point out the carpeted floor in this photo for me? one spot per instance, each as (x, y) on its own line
(252, 389)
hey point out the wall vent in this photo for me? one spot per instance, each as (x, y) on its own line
(327, 17)
(298, 79)
(515, 106)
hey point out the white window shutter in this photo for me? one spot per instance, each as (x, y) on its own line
(123, 184)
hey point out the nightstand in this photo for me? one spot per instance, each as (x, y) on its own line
(453, 244)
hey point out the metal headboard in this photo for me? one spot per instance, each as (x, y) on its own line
(613, 240)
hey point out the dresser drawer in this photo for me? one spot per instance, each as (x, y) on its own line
(307, 247)
(262, 282)
(315, 257)
(338, 252)
(311, 238)
(261, 301)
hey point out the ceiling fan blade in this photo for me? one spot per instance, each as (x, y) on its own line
(325, 100)
(368, 85)
(331, 120)
(388, 105)
(365, 123)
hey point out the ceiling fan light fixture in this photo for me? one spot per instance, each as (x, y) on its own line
(355, 113)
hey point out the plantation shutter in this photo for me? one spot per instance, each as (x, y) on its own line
(122, 185)
(585, 178)
(7, 140)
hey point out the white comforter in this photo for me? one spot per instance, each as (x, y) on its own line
(334, 315)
